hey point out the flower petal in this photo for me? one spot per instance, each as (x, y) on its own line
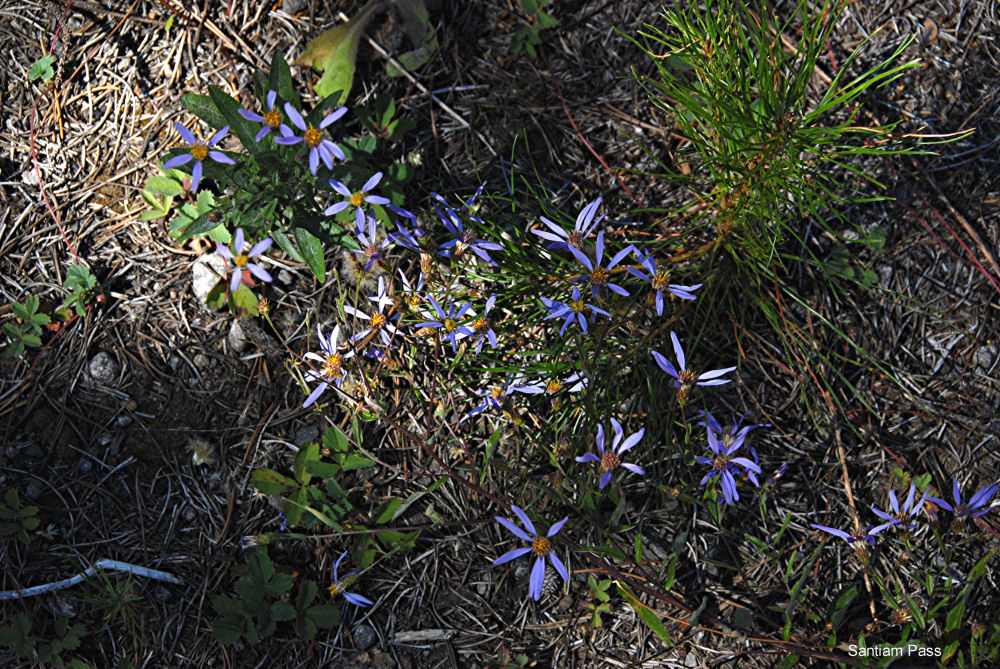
(678, 350)
(517, 531)
(525, 520)
(512, 555)
(185, 133)
(295, 117)
(177, 161)
(560, 567)
(537, 579)
(554, 530)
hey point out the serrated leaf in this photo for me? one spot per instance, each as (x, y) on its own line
(42, 68)
(325, 615)
(271, 482)
(204, 108)
(260, 567)
(335, 54)
(282, 610)
(279, 585)
(311, 250)
(546, 20)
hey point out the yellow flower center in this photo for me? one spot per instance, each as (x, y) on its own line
(273, 118)
(609, 461)
(540, 546)
(334, 590)
(687, 377)
(599, 276)
(578, 306)
(660, 280)
(449, 324)
(332, 364)
(552, 387)
(357, 199)
(378, 320)
(313, 137)
(199, 152)
(575, 238)
(241, 260)
(497, 393)
(480, 324)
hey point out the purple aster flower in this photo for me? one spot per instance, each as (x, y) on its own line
(370, 247)
(909, 511)
(411, 295)
(493, 395)
(405, 238)
(357, 199)
(724, 464)
(734, 435)
(861, 541)
(573, 383)
(271, 119)
(338, 585)
(660, 281)
(465, 240)
(685, 378)
(574, 310)
(449, 320)
(483, 327)
(585, 223)
(381, 298)
(319, 146)
(377, 323)
(331, 369)
(241, 261)
(198, 153)
(974, 508)
(597, 275)
(610, 459)
(540, 546)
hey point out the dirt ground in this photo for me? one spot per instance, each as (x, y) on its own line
(106, 453)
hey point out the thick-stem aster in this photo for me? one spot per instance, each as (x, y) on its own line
(338, 585)
(540, 546)
(610, 459)
(320, 148)
(241, 261)
(198, 153)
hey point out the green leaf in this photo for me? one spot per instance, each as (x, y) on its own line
(229, 108)
(335, 53)
(244, 301)
(420, 31)
(285, 244)
(271, 482)
(306, 595)
(311, 250)
(387, 511)
(159, 185)
(259, 565)
(325, 615)
(308, 453)
(279, 585)
(954, 618)
(42, 68)
(530, 7)
(546, 20)
(282, 610)
(279, 79)
(204, 108)
(355, 462)
(647, 615)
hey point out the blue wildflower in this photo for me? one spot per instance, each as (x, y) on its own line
(540, 546)
(377, 322)
(909, 511)
(198, 153)
(371, 249)
(338, 585)
(685, 378)
(465, 240)
(241, 261)
(575, 310)
(331, 362)
(610, 459)
(271, 119)
(660, 281)
(483, 327)
(974, 508)
(724, 465)
(585, 223)
(492, 396)
(320, 148)
(449, 320)
(357, 199)
(597, 275)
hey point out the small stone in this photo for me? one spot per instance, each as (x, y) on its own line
(286, 278)
(292, 6)
(103, 368)
(364, 637)
(306, 433)
(189, 514)
(207, 271)
(34, 452)
(690, 660)
(123, 420)
(986, 356)
(237, 337)
(885, 275)
(33, 490)
(201, 361)
(85, 465)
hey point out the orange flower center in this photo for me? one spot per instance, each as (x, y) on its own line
(599, 276)
(378, 320)
(540, 546)
(497, 393)
(313, 137)
(241, 260)
(332, 364)
(687, 377)
(334, 590)
(609, 461)
(552, 387)
(574, 239)
(199, 152)
(357, 199)
(578, 306)
(449, 324)
(480, 324)
(660, 280)
(273, 118)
